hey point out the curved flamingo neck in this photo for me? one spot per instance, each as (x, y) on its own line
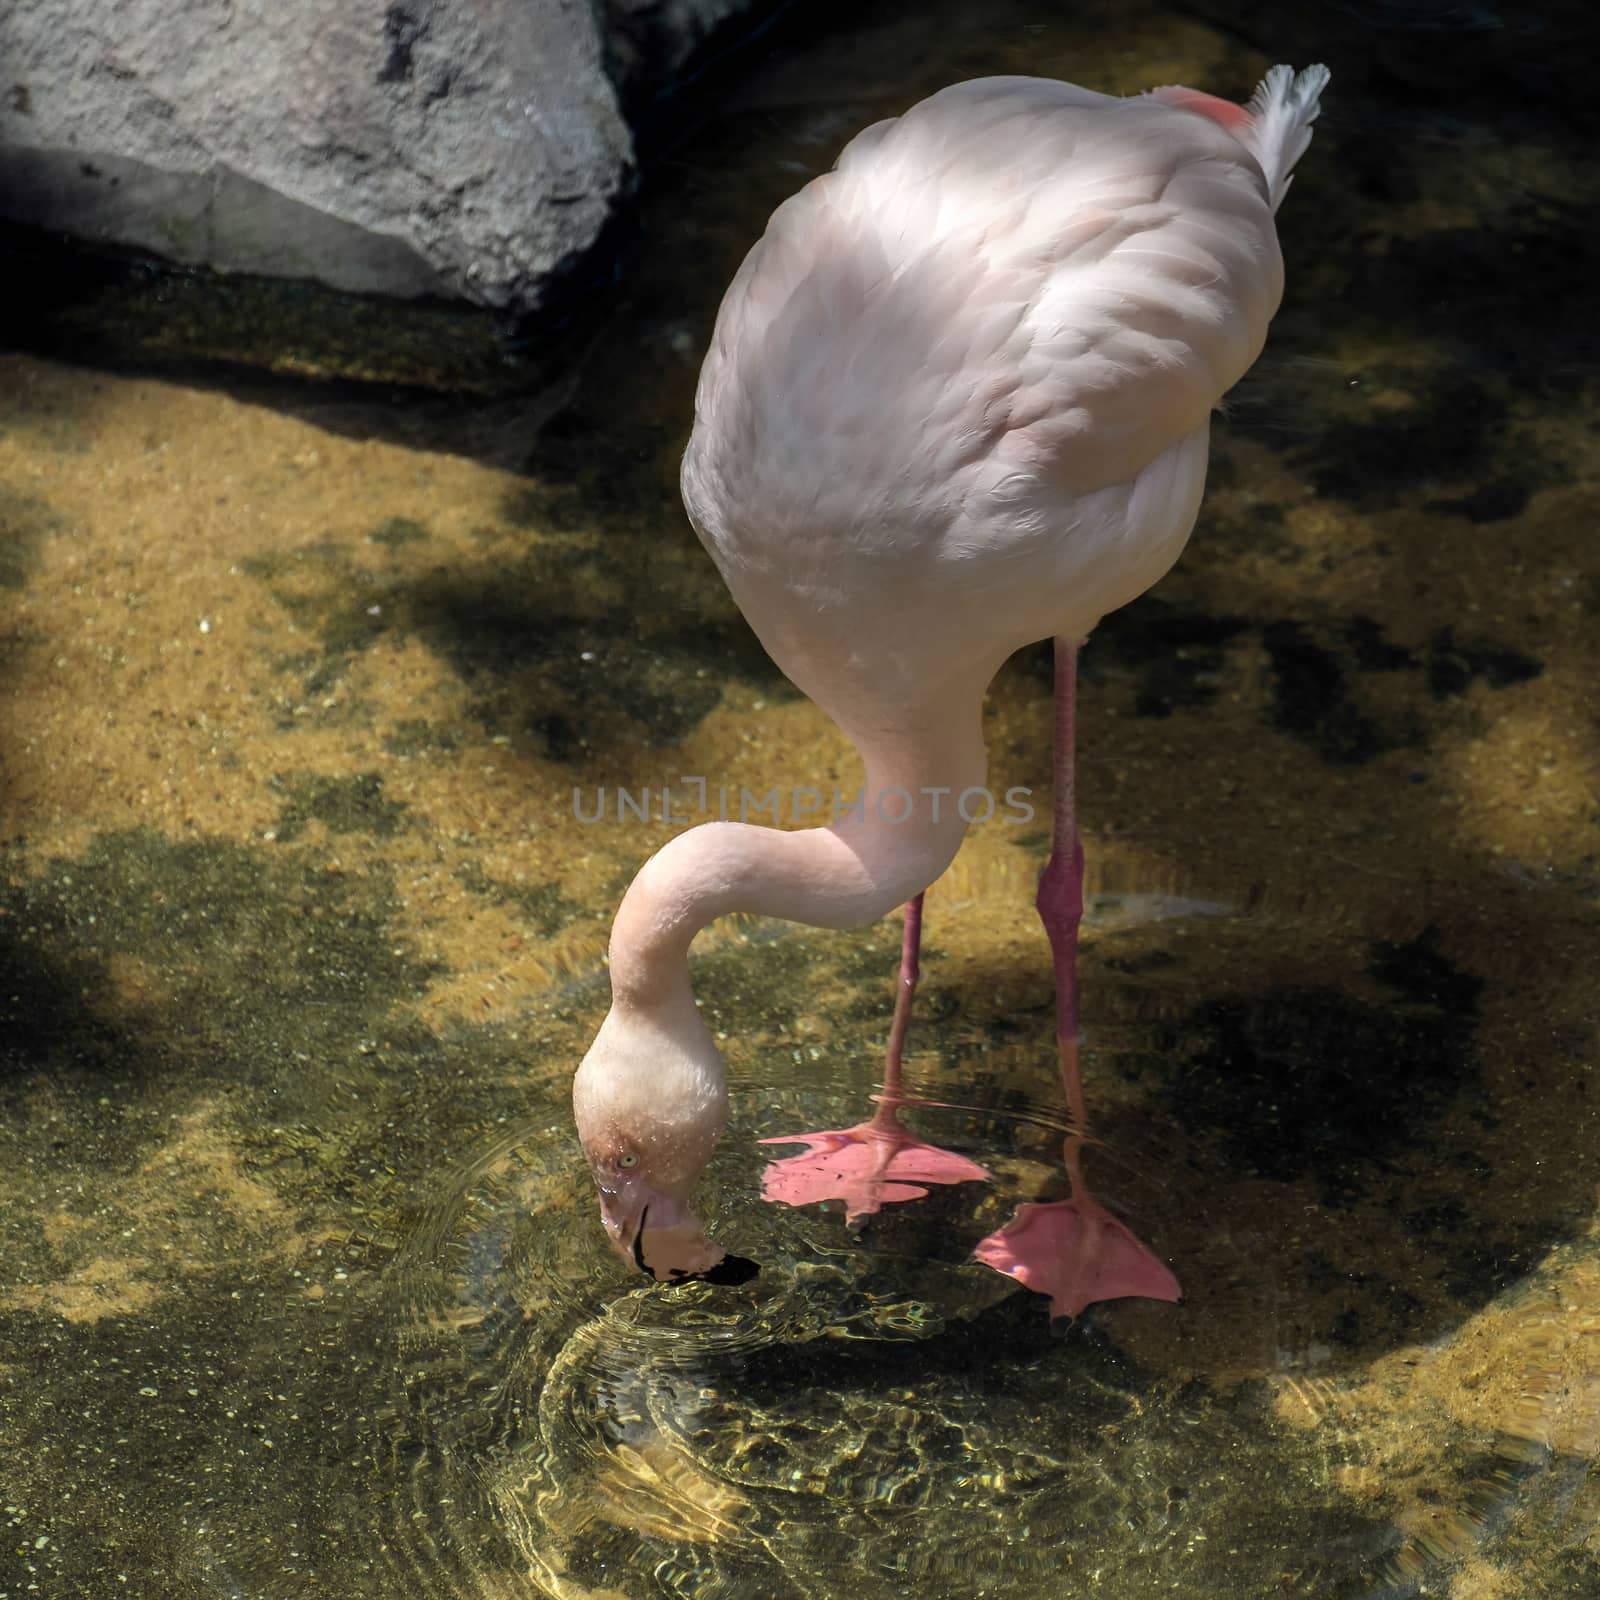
(845, 875)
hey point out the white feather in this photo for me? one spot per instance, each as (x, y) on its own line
(1281, 113)
(949, 367)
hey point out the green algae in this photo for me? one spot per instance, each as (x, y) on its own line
(543, 906)
(246, 946)
(25, 523)
(353, 805)
(417, 736)
(398, 531)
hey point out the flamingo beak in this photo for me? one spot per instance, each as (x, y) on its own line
(660, 1235)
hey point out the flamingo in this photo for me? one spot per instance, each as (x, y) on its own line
(957, 402)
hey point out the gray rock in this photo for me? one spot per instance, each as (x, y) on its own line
(466, 148)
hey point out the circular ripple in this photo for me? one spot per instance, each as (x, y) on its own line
(852, 1421)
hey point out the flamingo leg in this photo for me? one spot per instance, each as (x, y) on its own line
(905, 995)
(1073, 1250)
(877, 1161)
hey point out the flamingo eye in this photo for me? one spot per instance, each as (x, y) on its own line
(628, 1160)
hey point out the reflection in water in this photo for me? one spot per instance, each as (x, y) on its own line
(302, 1288)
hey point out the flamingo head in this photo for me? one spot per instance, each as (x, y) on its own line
(650, 1100)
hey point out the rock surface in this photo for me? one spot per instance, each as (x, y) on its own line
(418, 147)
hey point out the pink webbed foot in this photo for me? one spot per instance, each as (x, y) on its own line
(868, 1166)
(1076, 1252)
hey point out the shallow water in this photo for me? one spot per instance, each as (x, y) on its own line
(303, 1288)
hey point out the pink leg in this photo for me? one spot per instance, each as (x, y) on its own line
(877, 1161)
(905, 992)
(1073, 1250)
(1059, 902)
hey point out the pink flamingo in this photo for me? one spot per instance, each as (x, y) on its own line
(957, 401)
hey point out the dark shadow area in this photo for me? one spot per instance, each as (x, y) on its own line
(1367, 1083)
(48, 1016)
(144, 955)
(596, 652)
(1314, 1084)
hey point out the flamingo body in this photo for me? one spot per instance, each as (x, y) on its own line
(957, 400)
(958, 396)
